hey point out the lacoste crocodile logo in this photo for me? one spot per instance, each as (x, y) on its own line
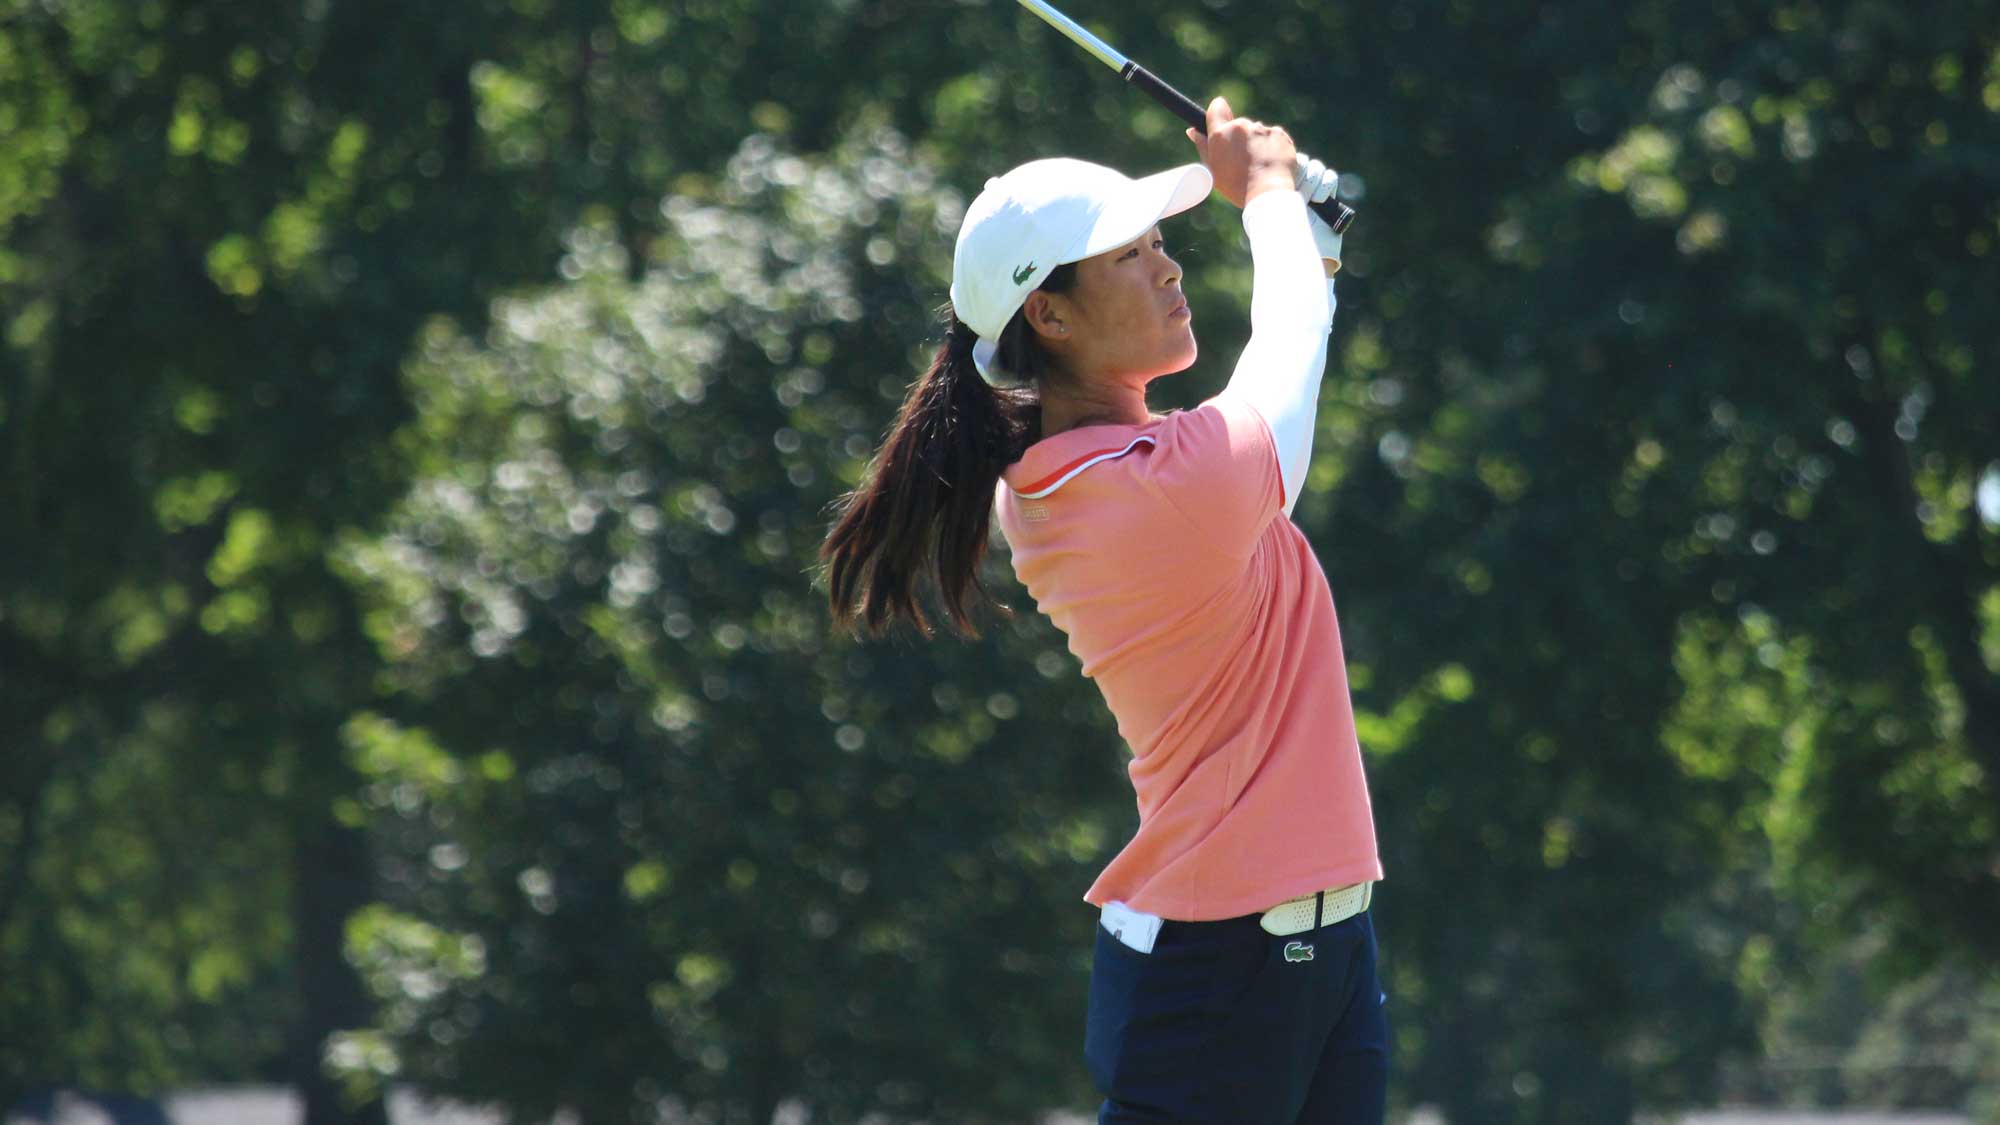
(1021, 275)
(1298, 951)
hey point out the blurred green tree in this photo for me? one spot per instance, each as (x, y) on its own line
(703, 851)
(1658, 487)
(222, 223)
(1675, 369)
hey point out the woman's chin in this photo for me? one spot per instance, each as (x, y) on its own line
(1175, 358)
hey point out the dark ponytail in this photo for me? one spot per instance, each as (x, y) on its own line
(926, 504)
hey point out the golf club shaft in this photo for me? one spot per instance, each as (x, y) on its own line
(1338, 215)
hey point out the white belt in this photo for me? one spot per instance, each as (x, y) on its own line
(1298, 915)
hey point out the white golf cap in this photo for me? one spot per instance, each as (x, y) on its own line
(1043, 214)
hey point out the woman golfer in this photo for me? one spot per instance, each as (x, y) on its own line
(1234, 975)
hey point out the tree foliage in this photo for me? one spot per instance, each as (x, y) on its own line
(725, 857)
(398, 683)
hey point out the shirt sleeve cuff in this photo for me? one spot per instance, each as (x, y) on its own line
(1280, 214)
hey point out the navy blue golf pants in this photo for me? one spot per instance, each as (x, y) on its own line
(1224, 1023)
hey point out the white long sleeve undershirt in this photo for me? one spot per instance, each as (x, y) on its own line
(1291, 313)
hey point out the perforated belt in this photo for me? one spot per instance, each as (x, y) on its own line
(1322, 908)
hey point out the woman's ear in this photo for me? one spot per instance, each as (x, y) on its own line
(1046, 313)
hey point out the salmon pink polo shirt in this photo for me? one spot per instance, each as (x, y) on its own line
(1163, 554)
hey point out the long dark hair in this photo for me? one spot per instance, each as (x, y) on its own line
(924, 508)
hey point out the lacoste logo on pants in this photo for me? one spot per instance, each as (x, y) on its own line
(1298, 951)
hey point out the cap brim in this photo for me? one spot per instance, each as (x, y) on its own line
(984, 353)
(1146, 202)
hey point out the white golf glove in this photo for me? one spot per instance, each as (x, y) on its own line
(1317, 183)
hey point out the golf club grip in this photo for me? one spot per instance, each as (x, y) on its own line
(1338, 215)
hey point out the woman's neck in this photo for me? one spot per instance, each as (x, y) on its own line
(1071, 407)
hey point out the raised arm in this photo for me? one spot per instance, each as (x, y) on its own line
(1291, 312)
(1292, 298)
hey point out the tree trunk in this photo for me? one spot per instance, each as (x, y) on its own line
(330, 881)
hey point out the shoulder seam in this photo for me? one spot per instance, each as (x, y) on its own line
(1036, 490)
